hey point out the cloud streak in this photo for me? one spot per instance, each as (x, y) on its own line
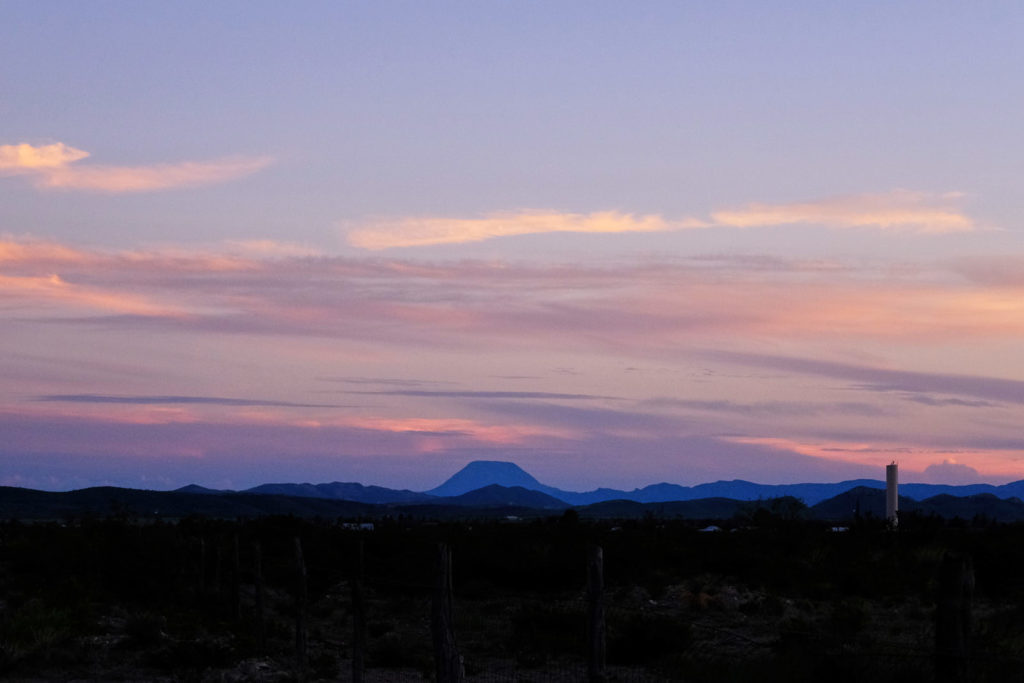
(420, 232)
(177, 400)
(899, 210)
(54, 167)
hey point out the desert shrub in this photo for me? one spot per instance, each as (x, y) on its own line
(33, 631)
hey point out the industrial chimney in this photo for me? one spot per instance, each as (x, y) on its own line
(892, 495)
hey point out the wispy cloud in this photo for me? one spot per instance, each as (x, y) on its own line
(418, 232)
(897, 210)
(769, 408)
(917, 384)
(176, 400)
(54, 167)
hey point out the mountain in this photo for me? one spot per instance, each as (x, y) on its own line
(481, 473)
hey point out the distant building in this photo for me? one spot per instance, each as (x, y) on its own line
(892, 494)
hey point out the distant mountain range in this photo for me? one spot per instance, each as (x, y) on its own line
(481, 473)
(495, 489)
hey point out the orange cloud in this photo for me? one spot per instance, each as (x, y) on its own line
(53, 166)
(418, 232)
(897, 210)
(24, 158)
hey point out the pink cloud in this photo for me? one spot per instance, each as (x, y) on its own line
(276, 289)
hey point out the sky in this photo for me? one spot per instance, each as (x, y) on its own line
(615, 243)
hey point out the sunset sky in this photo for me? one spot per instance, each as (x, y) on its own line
(616, 243)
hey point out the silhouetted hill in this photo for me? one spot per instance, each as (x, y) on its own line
(871, 502)
(196, 488)
(862, 500)
(506, 496)
(969, 507)
(717, 500)
(706, 508)
(107, 501)
(344, 491)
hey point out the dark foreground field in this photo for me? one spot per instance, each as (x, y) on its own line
(766, 599)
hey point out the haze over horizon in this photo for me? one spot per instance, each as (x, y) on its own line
(615, 244)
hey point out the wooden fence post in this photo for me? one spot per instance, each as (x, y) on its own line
(300, 610)
(446, 655)
(953, 619)
(358, 619)
(595, 615)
